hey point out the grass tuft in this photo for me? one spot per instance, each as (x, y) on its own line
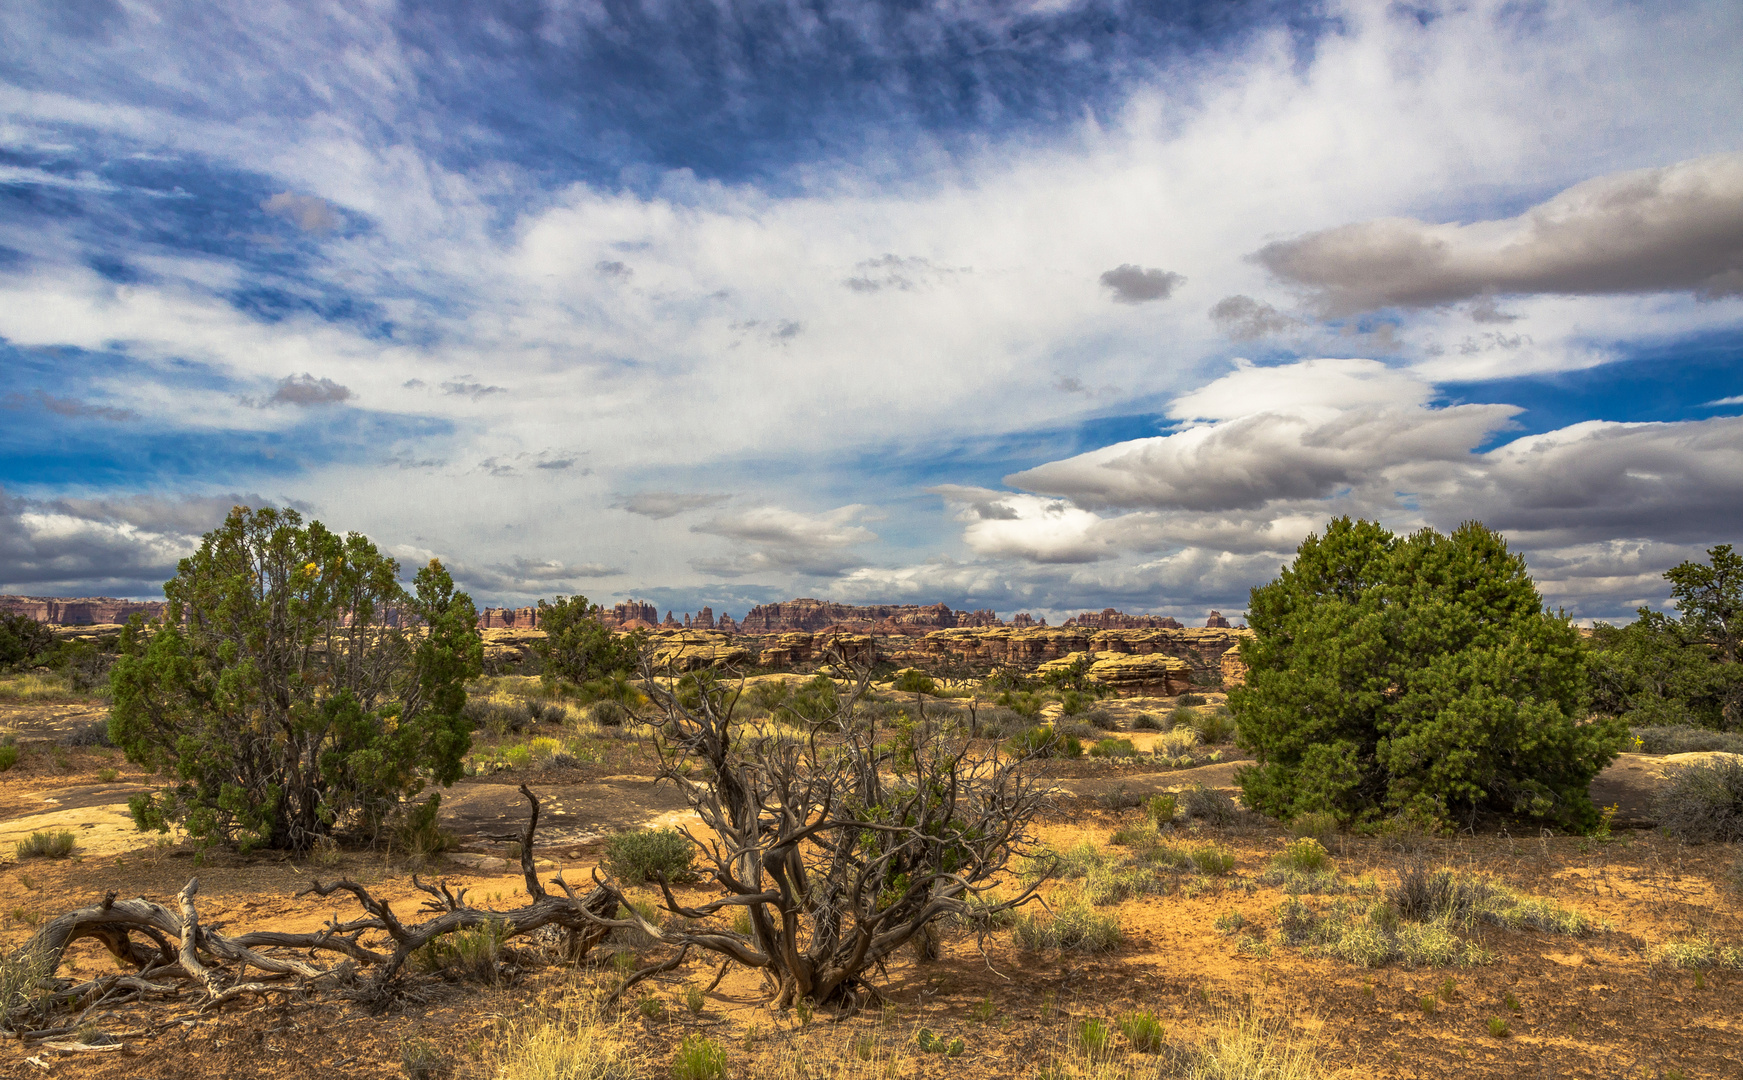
(699, 1059)
(1073, 925)
(46, 845)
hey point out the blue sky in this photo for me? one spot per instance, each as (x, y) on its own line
(1032, 306)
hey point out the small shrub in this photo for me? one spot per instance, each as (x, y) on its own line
(915, 681)
(1175, 743)
(1213, 806)
(699, 1059)
(1043, 742)
(1116, 748)
(1073, 925)
(1119, 798)
(106, 775)
(416, 832)
(611, 714)
(1146, 722)
(1685, 739)
(1704, 803)
(1215, 726)
(1429, 1004)
(1498, 1028)
(694, 999)
(1230, 922)
(473, 954)
(1143, 1031)
(1102, 719)
(544, 747)
(1187, 700)
(518, 757)
(645, 854)
(8, 754)
(44, 845)
(91, 733)
(1213, 860)
(651, 1007)
(1319, 824)
(420, 1060)
(1136, 836)
(1077, 729)
(1161, 808)
(1304, 855)
(932, 1044)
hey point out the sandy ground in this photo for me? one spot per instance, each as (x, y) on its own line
(1599, 1005)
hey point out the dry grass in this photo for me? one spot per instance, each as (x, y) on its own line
(1245, 1045)
(572, 1042)
(30, 687)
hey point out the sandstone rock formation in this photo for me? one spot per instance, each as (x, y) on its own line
(1216, 621)
(1132, 674)
(1109, 619)
(693, 650)
(1202, 650)
(813, 615)
(792, 649)
(621, 615)
(79, 611)
(508, 618)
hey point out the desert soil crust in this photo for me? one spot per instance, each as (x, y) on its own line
(1601, 1004)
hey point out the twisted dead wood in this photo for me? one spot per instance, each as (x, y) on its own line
(181, 949)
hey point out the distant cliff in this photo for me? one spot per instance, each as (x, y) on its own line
(808, 614)
(79, 611)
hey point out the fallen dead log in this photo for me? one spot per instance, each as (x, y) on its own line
(172, 952)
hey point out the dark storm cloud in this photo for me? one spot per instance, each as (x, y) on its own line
(1134, 284)
(1672, 229)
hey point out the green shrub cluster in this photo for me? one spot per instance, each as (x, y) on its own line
(1043, 741)
(648, 854)
(1418, 675)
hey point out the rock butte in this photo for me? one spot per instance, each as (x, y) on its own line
(1134, 654)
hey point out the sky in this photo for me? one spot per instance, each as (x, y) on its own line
(1042, 307)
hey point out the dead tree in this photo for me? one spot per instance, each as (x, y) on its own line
(842, 838)
(171, 952)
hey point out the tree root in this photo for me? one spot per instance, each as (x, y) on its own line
(173, 954)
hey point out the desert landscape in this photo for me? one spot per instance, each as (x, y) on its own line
(1609, 954)
(871, 539)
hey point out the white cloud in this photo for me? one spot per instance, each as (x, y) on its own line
(1297, 431)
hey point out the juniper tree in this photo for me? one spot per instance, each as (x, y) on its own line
(1418, 675)
(292, 682)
